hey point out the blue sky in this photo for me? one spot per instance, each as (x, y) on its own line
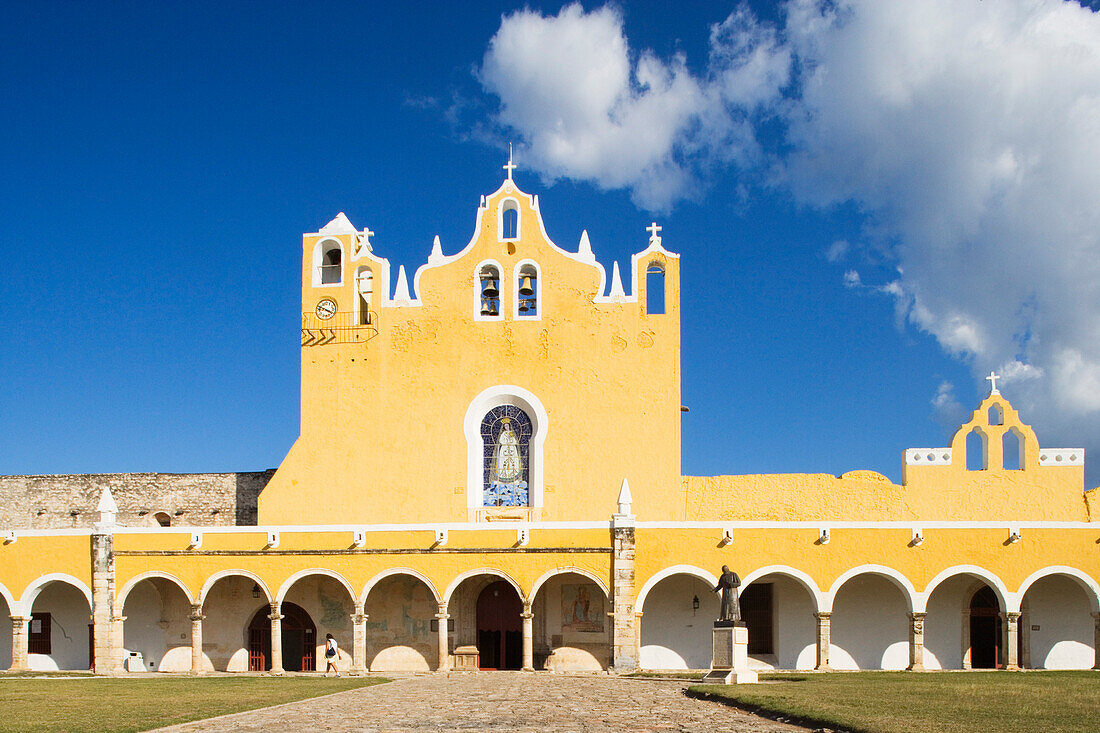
(874, 206)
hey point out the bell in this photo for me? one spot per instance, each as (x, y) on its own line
(488, 286)
(525, 286)
(493, 308)
(485, 309)
(523, 306)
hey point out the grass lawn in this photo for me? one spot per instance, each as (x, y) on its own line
(945, 702)
(111, 704)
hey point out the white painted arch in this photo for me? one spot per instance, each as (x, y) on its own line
(795, 574)
(389, 574)
(26, 603)
(1083, 579)
(9, 599)
(503, 394)
(566, 571)
(289, 582)
(668, 572)
(129, 586)
(898, 579)
(483, 571)
(1008, 601)
(229, 573)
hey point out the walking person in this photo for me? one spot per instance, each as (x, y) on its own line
(332, 655)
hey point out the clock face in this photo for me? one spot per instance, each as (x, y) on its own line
(326, 309)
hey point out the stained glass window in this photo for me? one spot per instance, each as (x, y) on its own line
(506, 440)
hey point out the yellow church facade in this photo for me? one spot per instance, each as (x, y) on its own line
(447, 506)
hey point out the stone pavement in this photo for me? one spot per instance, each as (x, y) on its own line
(501, 701)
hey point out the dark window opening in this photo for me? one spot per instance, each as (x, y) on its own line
(756, 612)
(38, 639)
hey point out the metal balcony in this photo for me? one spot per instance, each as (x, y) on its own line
(344, 327)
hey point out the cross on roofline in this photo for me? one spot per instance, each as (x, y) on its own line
(510, 166)
(653, 229)
(992, 379)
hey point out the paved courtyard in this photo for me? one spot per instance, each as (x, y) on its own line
(501, 701)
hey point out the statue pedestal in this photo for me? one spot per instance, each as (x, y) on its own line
(730, 663)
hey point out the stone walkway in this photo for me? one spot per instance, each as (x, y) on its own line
(501, 701)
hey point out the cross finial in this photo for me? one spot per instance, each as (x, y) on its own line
(510, 166)
(653, 229)
(992, 379)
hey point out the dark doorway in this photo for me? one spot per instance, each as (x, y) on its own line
(756, 612)
(499, 627)
(299, 637)
(985, 630)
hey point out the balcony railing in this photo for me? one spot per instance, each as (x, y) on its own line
(344, 327)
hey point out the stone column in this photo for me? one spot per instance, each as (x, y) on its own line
(624, 632)
(358, 644)
(196, 638)
(528, 638)
(823, 638)
(1012, 639)
(444, 663)
(20, 628)
(1025, 640)
(276, 639)
(1096, 640)
(106, 644)
(967, 662)
(916, 642)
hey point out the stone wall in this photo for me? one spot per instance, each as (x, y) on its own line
(191, 499)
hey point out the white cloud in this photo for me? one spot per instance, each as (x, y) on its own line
(587, 107)
(838, 250)
(967, 132)
(970, 132)
(852, 279)
(948, 412)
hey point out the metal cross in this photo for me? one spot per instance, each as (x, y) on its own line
(653, 229)
(510, 166)
(992, 379)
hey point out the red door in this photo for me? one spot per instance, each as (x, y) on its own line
(499, 627)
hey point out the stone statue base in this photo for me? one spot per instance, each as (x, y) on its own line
(730, 663)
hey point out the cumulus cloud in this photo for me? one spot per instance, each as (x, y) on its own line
(968, 133)
(588, 107)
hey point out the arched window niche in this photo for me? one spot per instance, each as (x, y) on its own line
(655, 288)
(527, 298)
(328, 258)
(977, 454)
(505, 428)
(364, 287)
(996, 415)
(1012, 448)
(509, 220)
(487, 292)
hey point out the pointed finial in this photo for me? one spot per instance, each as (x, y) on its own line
(653, 229)
(616, 283)
(402, 294)
(437, 248)
(992, 379)
(510, 166)
(585, 247)
(107, 509)
(625, 499)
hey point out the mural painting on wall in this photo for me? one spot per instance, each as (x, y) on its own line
(581, 608)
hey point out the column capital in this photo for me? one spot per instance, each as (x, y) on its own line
(196, 612)
(527, 614)
(359, 618)
(444, 616)
(823, 615)
(19, 620)
(442, 605)
(917, 615)
(1012, 616)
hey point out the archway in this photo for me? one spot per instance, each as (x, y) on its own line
(779, 612)
(499, 627)
(402, 635)
(962, 620)
(5, 631)
(1057, 615)
(228, 605)
(157, 625)
(570, 627)
(327, 601)
(60, 631)
(675, 630)
(298, 636)
(870, 624)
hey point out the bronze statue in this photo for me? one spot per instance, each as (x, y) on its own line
(728, 585)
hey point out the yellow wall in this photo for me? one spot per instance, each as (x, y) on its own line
(382, 420)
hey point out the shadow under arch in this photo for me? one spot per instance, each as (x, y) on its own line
(566, 570)
(124, 592)
(39, 584)
(1005, 598)
(289, 582)
(222, 574)
(1083, 579)
(693, 571)
(461, 577)
(903, 584)
(390, 572)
